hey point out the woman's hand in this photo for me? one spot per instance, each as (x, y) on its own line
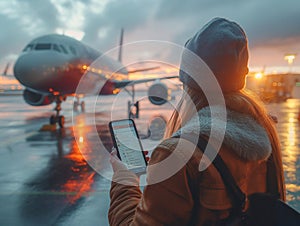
(116, 163)
(121, 174)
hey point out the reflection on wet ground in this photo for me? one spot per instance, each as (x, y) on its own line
(51, 178)
(61, 186)
(46, 177)
(288, 128)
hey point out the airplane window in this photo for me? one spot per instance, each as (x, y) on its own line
(73, 50)
(63, 49)
(28, 48)
(56, 48)
(42, 46)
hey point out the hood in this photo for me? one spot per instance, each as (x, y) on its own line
(243, 135)
(223, 46)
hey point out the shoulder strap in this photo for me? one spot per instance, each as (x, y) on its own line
(272, 180)
(236, 195)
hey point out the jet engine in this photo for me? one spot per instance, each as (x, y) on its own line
(158, 93)
(37, 99)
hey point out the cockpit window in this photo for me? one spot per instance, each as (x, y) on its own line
(56, 48)
(42, 46)
(48, 46)
(63, 49)
(28, 48)
(73, 50)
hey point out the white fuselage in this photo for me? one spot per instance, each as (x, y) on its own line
(54, 64)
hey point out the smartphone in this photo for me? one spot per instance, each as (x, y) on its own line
(129, 147)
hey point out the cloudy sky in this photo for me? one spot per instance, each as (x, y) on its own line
(272, 26)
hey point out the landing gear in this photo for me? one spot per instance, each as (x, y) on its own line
(57, 119)
(133, 106)
(60, 119)
(78, 103)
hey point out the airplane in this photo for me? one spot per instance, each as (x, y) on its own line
(50, 68)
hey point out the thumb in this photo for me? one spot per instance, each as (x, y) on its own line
(117, 165)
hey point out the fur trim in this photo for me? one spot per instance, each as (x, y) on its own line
(243, 134)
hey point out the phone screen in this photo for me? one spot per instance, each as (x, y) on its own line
(128, 145)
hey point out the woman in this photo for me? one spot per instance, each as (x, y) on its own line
(250, 147)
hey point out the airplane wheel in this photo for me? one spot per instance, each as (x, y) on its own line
(129, 109)
(157, 127)
(52, 120)
(61, 121)
(82, 105)
(75, 106)
(137, 109)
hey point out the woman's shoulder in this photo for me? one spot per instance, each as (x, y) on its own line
(163, 150)
(179, 148)
(169, 143)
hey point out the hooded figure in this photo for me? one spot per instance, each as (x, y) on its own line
(188, 196)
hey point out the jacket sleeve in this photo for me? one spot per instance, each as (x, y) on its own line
(169, 202)
(125, 195)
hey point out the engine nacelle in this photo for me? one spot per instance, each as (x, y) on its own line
(37, 99)
(158, 93)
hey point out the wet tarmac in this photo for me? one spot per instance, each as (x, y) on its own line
(288, 128)
(46, 178)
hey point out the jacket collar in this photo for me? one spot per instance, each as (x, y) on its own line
(243, 135)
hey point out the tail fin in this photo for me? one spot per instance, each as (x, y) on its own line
(6, 69)
(121, 45)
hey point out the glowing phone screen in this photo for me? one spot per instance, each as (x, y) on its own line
(128, 145)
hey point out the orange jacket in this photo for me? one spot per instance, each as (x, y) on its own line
(172, 202)
(190, 197)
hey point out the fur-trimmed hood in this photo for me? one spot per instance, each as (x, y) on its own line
(243, 134)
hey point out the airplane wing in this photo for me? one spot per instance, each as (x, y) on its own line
(123, 83)
(142, 69)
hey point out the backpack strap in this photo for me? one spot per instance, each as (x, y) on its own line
(272, 180)
(236, 195)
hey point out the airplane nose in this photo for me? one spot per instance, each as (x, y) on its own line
(32, 71)
(25, 71)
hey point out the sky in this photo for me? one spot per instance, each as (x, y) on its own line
(272, 26)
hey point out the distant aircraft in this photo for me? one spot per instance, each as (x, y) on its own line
(8, 84)
(51, 66)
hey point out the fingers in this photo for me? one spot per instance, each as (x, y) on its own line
(113, 155)
(114, 152)
(115, 161)
(117, 164)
